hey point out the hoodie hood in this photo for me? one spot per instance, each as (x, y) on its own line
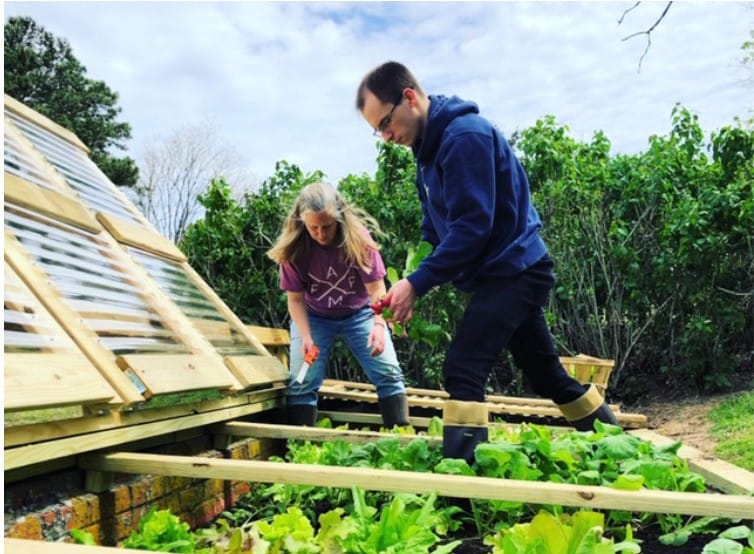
(442, 110)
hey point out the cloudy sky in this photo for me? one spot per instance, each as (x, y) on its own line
(277, 80)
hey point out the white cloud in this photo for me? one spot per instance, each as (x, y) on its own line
(278, 79)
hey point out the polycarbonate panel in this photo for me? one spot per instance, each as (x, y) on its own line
(21, 163)
(178, 285)
(27, 327)
(94, 283)
(84, 177)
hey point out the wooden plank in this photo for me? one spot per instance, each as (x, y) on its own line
(718, 473)
(36, 117)
(256, 370)
(141, 237)
(29, 454)
(52, 379)
(49, 202)
(270, 336)
(530, 492)
(168, 373)
(213, 330)
(32, 433)
(315, 434)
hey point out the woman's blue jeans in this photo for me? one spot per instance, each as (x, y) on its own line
(383, 371)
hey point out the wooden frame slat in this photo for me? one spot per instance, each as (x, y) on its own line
(49, 125)
(49, 202)
(170, 373)
(140, 237)
(530, 492)
(61, 379)
(257, 370)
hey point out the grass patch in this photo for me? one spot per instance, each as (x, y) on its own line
(733, 429)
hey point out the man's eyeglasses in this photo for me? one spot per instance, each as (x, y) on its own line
(385, 121)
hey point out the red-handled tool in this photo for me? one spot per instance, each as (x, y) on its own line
(309, 358)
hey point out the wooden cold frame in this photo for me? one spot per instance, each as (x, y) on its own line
(49, 370)
(247, 357)
(147, 377)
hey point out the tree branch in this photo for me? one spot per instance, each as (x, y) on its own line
(647, 32)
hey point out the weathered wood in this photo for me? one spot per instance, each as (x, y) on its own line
(718, 473)
(140, 237)
(530, 492)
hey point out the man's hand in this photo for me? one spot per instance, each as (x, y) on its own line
(401, 297)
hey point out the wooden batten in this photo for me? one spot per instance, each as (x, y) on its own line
(49, 202)
(253, 371)
(269, 336)
(314, 434)
(108, 431)
(27, 113)
(52, 379)
(530, 492)
(170, 373)
(140, 237)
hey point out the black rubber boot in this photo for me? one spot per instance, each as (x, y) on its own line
(586, 409)
(301, 414)
(464, 426)
(394, 410)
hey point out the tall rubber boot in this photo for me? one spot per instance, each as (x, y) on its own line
(394, 410)
(301, 414)
(586, 409)
(464, 425)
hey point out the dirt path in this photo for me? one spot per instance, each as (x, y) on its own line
(685, 420)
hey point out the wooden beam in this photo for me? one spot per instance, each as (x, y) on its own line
(315, 434)
(52, 203)
(143, 238)
(34, 116)
(25, 455)
(530, 492)
(717, 473)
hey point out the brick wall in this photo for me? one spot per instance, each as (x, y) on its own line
(48, 508)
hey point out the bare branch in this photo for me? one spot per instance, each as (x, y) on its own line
(648, 32)
(625, 13)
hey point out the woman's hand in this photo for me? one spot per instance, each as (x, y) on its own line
(377, 337)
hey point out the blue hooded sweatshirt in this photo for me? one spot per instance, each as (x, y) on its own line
(476, 203)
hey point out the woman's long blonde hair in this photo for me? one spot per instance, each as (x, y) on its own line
(352, 224)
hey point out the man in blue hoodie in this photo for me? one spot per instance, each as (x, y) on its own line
(478, 215)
